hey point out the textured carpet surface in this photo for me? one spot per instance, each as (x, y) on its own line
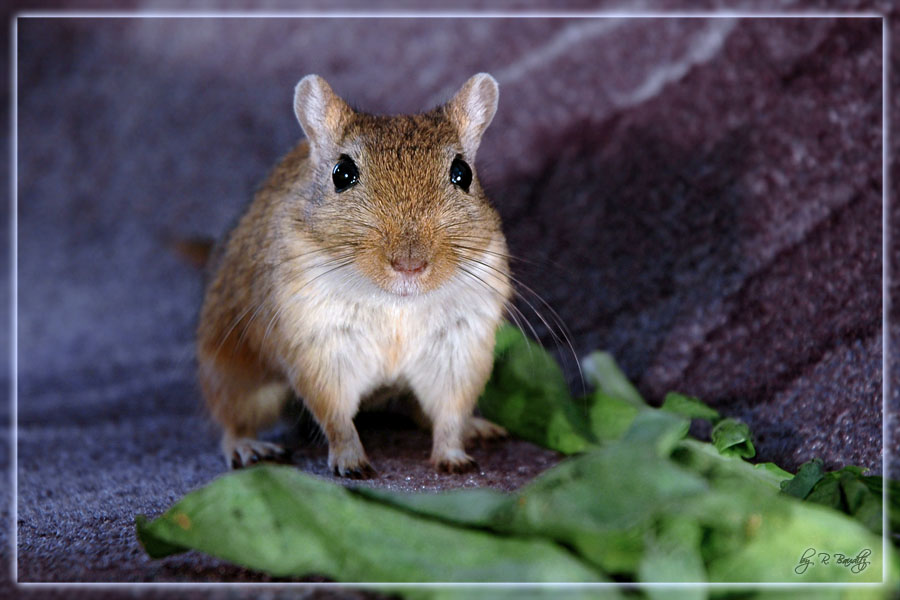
(700, 197)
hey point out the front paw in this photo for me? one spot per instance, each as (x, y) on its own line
(351, 463)
(454, 461)
(361, 471)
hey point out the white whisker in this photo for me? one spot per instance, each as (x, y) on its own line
(565, 340)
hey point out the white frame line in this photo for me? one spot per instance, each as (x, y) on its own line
(430, 15)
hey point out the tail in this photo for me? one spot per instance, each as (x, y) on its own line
(195, 251)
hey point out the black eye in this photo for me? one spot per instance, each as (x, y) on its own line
(345, 174)
(460, 174)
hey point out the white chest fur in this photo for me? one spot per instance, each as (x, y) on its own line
(344, 329)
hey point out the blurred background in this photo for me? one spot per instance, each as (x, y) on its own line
(700, 197)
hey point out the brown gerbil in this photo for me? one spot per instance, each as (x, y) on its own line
(369, 258)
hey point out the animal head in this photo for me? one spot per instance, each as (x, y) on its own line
(398, 195)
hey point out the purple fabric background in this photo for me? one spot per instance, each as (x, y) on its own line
(700, 197)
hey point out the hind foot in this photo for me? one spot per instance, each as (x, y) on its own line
(482, 429)
(243, 452)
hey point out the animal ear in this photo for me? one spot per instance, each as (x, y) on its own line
(321, 113)
(472, 109)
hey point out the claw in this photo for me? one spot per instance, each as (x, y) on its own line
(363, 471)
(244, 452)
(459, 465)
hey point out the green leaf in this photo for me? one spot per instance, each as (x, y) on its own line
(658, 430)
(507, 337)
(610, 417)
(774, 471)
(703, 458)
(471, 507)
(512, 592)
(754, 532)
(876, 485)
(528, 395)
(810, 473)
(731, 437)
(672, 555)
(861, 503)
(278, 520)
(688, 406)
(604, 374)
(833, 592)
(827, 492)
(602, 503)
(777, 531)
(155, 546)
(848, 491)
(642, 501)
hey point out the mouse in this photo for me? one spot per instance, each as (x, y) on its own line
(369, 259)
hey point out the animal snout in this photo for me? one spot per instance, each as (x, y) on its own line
(409, 265)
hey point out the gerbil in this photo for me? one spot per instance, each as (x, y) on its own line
(370, 257)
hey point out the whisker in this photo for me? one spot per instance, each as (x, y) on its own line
(349, 247)
(452, 224)
(506, 256)
(297, 293)
(487, 240)
(558, 321)
(260, 306)
(512, 311)
(508, 305)
(230, 329)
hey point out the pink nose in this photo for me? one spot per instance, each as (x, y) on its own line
(408, 265)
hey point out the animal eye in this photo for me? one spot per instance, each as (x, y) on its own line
(345, 174)
(460, 174)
